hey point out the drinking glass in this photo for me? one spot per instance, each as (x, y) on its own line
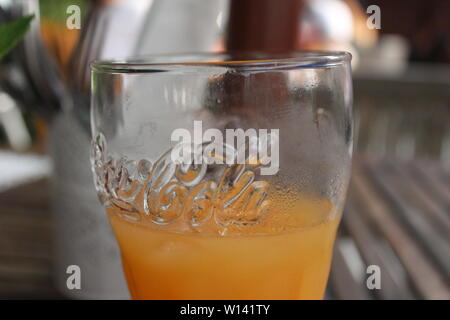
(223, 175)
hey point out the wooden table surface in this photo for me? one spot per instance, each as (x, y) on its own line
(397, 217)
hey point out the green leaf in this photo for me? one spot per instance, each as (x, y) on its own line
(12, 32)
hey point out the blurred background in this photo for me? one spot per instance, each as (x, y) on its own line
(398, 211)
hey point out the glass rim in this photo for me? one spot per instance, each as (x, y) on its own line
(255, 61)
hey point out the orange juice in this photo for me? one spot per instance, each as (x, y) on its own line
(285, 256)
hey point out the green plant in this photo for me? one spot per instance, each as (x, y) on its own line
(11, 33)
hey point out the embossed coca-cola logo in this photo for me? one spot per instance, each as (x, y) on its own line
(195, 182)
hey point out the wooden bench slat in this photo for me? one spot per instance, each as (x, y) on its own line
(393, 286)
(413, 218)
(29, 290)
(434, 209)
(342, 283)
(424, 276)
(435, 187)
